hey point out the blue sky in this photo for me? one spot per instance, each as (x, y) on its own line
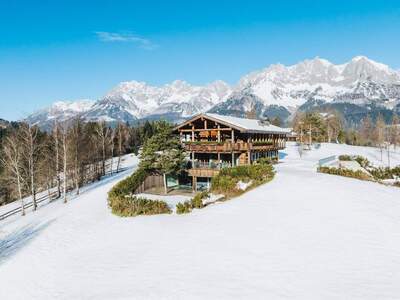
(65, 50)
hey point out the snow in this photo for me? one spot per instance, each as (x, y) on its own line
(304, 235)
(243, 185)
(171, 200)
(287, 86)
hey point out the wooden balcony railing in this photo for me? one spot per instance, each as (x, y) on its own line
(232, 147)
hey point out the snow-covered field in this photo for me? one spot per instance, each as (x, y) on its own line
(304, 235)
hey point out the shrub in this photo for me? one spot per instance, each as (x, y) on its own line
(183, 208)
(385, 173)
(117, 200)
(381, 173)
(226, 181)
(266, 160)
(129, 184)
(124, 206)
(197, 201)
(345, 158)
(364, 162)
(345, 172)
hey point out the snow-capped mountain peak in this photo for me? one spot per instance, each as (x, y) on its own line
(360, 81)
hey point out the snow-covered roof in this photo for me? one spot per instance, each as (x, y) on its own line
(242, 124)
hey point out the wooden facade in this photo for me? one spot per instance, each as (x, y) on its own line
(216, 142)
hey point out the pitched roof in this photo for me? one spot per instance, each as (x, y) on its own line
(242, 124)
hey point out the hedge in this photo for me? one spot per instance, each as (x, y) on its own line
(345, 172)
(125, 206)
(195, 202)
(227, 179)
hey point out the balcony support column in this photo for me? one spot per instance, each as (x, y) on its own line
(219, 134)
(194, 183)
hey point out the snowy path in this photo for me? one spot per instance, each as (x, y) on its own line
(302, 236)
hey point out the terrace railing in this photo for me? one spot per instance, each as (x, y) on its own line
(207, 146)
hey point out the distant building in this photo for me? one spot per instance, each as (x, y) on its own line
(216, 141)
(291, 136)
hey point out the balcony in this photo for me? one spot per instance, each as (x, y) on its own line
(227, 147)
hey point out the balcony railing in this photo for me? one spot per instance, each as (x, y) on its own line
(207, 146)
(199, 164)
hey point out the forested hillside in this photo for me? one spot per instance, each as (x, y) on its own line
(67, 157)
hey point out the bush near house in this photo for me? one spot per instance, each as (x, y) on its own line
(125, 206)
(226, 182)
(195, 202)
(183, 208)
(162, 154)
(128, 185)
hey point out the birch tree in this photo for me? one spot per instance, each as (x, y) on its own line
(394, 131)
(76, 144)
(29, 136)
(102, 131)
(379, 133)
(112, 142)
(64, 147)
(56, 139)
(11, 159)
(122, 137)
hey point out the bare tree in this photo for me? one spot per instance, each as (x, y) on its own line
(366, 130)
(122, 136)
(333, 126)
(56, 138)
(112, 142)
(12, 161)
(379, 133)
(394, 131)
(103, 131)
(64, 146)
(76, 143)
(29, 136)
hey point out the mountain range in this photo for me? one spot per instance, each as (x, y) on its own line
(356, 88)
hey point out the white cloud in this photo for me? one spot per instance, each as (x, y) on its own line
(127, 37)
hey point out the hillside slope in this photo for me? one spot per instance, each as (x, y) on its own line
(304, 235)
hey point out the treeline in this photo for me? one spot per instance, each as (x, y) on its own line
(330, 127)
(66, 158)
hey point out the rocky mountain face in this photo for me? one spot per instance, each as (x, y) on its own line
(60, 111)
(356, 88)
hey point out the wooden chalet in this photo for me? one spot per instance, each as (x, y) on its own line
(216, 141)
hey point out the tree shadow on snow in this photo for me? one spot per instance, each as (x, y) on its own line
(11, 243)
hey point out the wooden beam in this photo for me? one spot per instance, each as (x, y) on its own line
(202, 129)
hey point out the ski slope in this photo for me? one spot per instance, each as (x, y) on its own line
(304, 235)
